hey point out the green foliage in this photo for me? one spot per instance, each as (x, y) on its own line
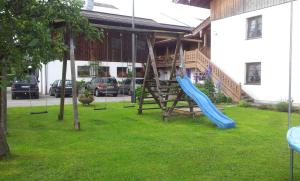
(244, 103)
(81, 85)
(209, 86)
(29, 36)
(265, 107)
(129, 74)
(144, 147)
(221, 98)
(283, 106)
(209, 90)
(138, 92)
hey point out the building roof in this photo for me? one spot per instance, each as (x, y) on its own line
(198, 3)
(126, 21)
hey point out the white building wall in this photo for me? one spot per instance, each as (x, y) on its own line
(231, 51)
(53, 71)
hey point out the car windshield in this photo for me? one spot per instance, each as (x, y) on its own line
(139, 81)
(26, 80)
(68, 82)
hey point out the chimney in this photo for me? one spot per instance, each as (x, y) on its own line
(89, 5)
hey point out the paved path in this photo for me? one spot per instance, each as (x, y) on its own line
(51, 100)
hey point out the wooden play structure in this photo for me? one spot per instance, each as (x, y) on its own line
(166, 93)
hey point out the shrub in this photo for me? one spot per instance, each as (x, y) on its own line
(229, 100)
(264, 107)
(221, 98)
(244, 103)
(210, 88)
(138, 92)
(283, 106)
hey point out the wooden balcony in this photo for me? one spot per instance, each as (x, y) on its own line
(196, 59)
(165, 61)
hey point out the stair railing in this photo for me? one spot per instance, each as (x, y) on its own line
(196, 59)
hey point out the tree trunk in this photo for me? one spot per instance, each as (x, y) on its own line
(74, 86)
(3, 109)
(4, 148)
(62, 93)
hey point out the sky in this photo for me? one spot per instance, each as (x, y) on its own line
(162, 11)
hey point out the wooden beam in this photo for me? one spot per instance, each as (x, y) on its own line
(178, 44)
(74, 86)
(153, 63)
(148, 66)
(139, 30)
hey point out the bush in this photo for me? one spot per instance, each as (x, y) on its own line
(283, 106)
(244, 103)
(264, 107)
(221, 98)
(229, 100)
(138, 92)
(209, 90)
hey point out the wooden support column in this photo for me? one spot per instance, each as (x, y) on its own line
(181, 59)
(147, 71)
(205, 39)
(74, 86)
(171, 109)
(178, 44)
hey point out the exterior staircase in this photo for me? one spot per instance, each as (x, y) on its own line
(197, 59)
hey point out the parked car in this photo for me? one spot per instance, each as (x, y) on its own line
(55, 89)
(27, 86)
(126, 85)
(103, 86)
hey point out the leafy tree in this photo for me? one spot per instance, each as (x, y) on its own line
(33, 32)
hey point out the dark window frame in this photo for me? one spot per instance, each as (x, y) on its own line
(256, 79)
(257, 30)
(79, 72)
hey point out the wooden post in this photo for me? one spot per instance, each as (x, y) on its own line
(175, 58)
(74, 86)
(181, 59)
(144, 86)
(153, 64)
(205, 40)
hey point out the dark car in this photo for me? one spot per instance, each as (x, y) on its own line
(103, 86)
(55, 89)
(27, 86)
(126, 85)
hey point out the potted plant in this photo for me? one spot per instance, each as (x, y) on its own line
(86, 97)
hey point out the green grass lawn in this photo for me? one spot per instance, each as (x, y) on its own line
(118, 144)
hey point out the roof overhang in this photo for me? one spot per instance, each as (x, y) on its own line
(125, 22)
(198, 3)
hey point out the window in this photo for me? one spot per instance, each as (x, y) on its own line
(139, 72)
(253, 73)
(103, 72)
(83, 71)
(254, 27)
(122, 71)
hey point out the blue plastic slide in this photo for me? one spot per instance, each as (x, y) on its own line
(204, 103)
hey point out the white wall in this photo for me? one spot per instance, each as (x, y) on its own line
(231, 51)
(55, 72)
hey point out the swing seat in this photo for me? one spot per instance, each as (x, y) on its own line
(293, 138)
(99, 109)
(41, 112)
